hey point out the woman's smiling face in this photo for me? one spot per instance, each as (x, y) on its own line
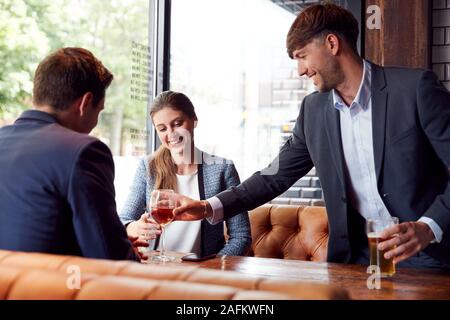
(174, 128)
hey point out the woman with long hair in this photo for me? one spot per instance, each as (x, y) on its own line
(180, 166)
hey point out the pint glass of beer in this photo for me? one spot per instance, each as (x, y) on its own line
(374, 229)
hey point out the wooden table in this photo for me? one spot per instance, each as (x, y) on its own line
(405, 284)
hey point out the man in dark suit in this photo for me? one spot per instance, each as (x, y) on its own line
(379, 139)
(56, 181)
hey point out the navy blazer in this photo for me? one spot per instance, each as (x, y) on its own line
(411, 137)
(215, 174)
(57, 192)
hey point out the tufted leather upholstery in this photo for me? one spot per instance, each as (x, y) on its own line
(18, 283)
(289, 232)
(44, 276)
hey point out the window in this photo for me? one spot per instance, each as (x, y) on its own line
(116, 31)
(230, 58)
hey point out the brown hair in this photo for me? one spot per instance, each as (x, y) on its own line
(319, 20)
(162, 163)
(66, 75)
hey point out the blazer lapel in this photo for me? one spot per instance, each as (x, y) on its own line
(379, 110)
(201, 181)
(333, 128)
(201, 190)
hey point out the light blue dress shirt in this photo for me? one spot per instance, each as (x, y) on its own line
(357, 145)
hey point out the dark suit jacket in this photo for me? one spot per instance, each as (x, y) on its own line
(411, 137)
(57, 192)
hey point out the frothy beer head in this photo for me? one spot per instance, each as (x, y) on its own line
(374, 235)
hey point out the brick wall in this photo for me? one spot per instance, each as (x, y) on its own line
(306, 192)
(441, 40)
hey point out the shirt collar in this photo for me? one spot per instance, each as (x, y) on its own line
(33, 114)
(363, 95)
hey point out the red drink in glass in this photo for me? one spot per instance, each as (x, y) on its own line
(162, 216)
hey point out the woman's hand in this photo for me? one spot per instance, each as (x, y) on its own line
(136, 243)
(145, 228)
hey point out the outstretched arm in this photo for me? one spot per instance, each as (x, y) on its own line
(292, 163)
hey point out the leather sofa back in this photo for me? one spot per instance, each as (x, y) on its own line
(17, 283)
(45, 276)
(289, 232)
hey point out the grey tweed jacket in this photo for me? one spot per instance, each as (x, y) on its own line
(214, 175)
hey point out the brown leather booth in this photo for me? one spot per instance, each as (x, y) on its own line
(18, 283)
(46, 276)
(289, 232)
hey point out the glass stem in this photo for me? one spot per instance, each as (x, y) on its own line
(163, 242)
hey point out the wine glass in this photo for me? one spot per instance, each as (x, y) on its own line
(162, 203)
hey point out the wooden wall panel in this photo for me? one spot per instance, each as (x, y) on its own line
(405, 35)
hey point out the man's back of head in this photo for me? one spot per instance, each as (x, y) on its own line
(70, 84)
(57, 182)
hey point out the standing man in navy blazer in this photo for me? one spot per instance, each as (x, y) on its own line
(378, 137)
(56, 181)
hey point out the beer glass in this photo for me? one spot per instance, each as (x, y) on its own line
(162, 203)
(374, 227)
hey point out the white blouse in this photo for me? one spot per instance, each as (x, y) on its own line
(185, 236)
